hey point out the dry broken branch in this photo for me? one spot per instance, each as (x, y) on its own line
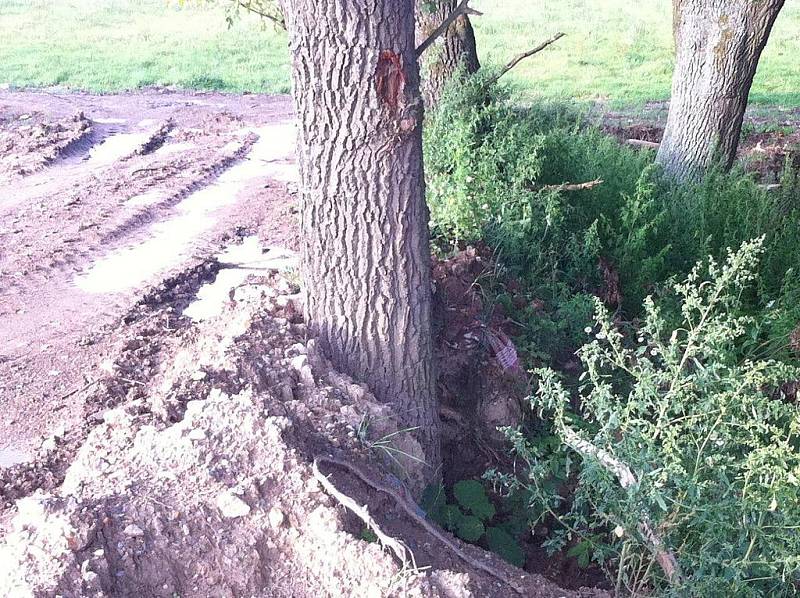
(623, 473)
(643, 143)
(461, 9)
(570, 186)
(520, 57)
(400, 550)
(414, 512)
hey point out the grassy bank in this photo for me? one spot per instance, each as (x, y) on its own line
(112, 45)
(616, 50)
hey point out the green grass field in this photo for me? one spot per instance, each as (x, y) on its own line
(615, 50)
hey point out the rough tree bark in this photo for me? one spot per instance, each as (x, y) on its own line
(717, 47)
(454, 48)
(366, 253)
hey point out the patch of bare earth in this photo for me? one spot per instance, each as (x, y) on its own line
(201, 483)
(29, 142)
(163, 454)
(768, 142)
(147, 155)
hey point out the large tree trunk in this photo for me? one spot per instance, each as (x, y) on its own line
(454, 48)
(366, 253)
(717, 47)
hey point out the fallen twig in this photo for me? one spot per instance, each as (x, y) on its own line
(81, 389)
(130, 381)
(400, 495)
(400, 550)
(643, 143)
(520, 57)
(138, 170)
(623, 473)
(462, 8)
(570, 186)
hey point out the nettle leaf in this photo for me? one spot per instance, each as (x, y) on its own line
(472, 496)
(503, 544)
(582, 553)
(470, 528)
(516, 525)
(451, 517)
(368, 535)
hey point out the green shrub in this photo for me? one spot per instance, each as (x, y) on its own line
(488, 168)
(715, 456)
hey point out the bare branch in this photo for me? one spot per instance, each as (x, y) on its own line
(248, 5)
(623, 473)
(520, 57)
(570, 186)
(461, 9)
(643, 144)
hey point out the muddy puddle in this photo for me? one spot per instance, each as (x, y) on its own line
(10, 456)
(238, 262)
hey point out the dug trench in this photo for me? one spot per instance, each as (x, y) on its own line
(196, 406)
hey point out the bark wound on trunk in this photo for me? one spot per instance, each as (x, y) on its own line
(454, 48)
(366, 254)
(717, 47)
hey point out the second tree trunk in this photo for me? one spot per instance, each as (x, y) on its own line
(456, 47)
(717, 47)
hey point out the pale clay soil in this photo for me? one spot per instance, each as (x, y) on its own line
(161, 403)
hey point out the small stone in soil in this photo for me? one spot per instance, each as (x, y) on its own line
(232, 506)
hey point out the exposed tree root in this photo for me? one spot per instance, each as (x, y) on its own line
(400, 494)
(400, 550)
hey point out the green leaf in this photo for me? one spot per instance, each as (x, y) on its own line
(660, 500)
(579, 549)
(504, 545)
(368, 535)
(516, 525)
(472, 496)
(582, 553)
(451, 517)
(470, 528)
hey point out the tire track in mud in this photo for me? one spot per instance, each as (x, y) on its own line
(148, 216)
(73, 215)
(65, 233)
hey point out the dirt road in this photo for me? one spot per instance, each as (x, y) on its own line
(102, 199)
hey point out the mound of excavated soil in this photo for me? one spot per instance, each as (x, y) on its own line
(201, 483)
(29, 142)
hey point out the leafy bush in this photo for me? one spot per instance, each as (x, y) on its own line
(714, 454)
(493, 169)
